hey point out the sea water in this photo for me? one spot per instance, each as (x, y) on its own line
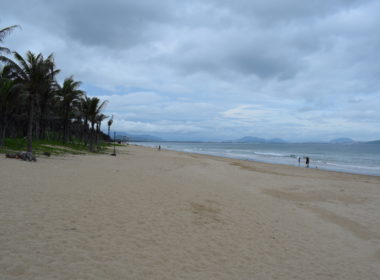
(357, 158)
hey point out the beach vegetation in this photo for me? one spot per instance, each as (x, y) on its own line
(70, 97)
(51, 147)
(34, 74)
(39, 112)
(95, 116)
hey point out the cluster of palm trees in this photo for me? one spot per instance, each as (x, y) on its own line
(34, 105)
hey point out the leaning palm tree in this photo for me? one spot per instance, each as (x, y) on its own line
(35, 74)
(94, 111)
(109, 123)
(4, 32)
(70, 95)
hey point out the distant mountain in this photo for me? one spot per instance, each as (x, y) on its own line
(276, 140)
(373, 142)
(138, 138)
(343, 140)
(250, 139)
(258, 140)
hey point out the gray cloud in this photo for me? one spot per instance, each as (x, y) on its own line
(191, 61)
(120, 25)
(279, 12)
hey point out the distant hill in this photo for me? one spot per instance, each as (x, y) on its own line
(258, 140)
(138, 138)
(373, 142)
(276, 140)
(249, 139)
(343, 140)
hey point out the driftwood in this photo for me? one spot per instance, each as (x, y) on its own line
(11, 155)
(26, 156)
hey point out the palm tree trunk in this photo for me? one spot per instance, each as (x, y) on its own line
(2, 130)
(65, 126)
(37, 129)
(43, 118)
(97, 135)
(92, 136)
(85, 132)
(30, 124)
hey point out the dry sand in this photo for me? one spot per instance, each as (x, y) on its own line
(147, 214)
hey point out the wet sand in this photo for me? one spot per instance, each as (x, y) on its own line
(148, 214)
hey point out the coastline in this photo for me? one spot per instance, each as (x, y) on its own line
(172, 215)
(278, 160)
(272, 165)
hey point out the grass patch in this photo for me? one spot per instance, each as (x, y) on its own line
(51, 146)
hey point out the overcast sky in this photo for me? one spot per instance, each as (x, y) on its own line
(216, 69)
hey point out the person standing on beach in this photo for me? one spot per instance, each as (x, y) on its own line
(299, 161)
(307, 162)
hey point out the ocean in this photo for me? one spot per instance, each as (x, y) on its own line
(358, 158)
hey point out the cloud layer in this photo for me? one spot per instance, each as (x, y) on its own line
(217, 69)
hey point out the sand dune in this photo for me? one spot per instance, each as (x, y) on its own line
(147, 214)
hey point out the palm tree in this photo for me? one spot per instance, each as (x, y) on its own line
(48, 101)
(70, 96)
(99, 119)
(8, 90)
(94, 110)
(35, 74)
(4, 32)
(84, 109)
(109, 123)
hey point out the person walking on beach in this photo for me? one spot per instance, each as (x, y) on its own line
(159, 147)
(307, 162)
(299, 161)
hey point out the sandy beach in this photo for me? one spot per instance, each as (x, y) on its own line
(148, 214)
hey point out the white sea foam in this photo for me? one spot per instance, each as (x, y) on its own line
(361, 158)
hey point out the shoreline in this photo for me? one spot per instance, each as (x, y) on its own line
(266, 164)
(315, 167)
(172, 215)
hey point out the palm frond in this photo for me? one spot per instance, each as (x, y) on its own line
(22, 61)
(5, 31)
(5, 50)
(102, 106)
(14, 66)
(110, 121)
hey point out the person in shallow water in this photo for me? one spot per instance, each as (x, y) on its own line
(307, 161)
